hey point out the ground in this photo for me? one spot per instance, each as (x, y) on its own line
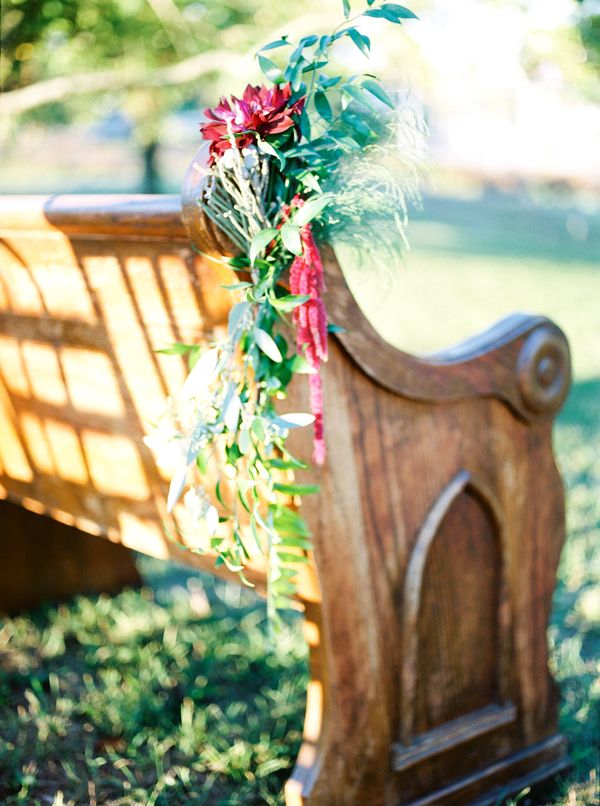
(174, 694)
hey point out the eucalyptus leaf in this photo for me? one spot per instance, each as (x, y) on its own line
(242, 499)
(231, 408)
(331, 328)
(277, 43)
(324, 43)
(236, 567)
(176, 487)
(310, 209)
(362, 42)
(375, 88)
(244, 440)
(314, 66)
(391, 12)
(294, 420)
(177, 349)
(346, 6)
(289, 302)
(219, 495)
(238, 262)
(236, 317)
(309, 41)
(300, 365)
(323, 106)
(263, 525)
(202, 375)
(236, 286)
(267, 344)
(270, 69)
(201, 462)
(284, 603)
(329, 81)
(305, 124)
(296, 542)
(288, 557)
(258, 429)
(296, 489)
(358, 95)
(290, 235)
(310, 181)
(289, 522)
(260, 241)
(400, 11)
(267, 148)
(194, 355)
(254, 530)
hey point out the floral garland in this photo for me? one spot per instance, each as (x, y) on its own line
(272, 189)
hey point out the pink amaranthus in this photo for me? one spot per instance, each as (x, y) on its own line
(310, 318)
(260, 111)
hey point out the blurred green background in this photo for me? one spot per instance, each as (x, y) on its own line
(173, 694)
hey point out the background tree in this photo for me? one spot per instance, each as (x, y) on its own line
(144, 56)
(589, 30)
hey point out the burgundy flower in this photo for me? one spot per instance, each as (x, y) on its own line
(261, 111)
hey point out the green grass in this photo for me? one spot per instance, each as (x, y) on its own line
(173, 694)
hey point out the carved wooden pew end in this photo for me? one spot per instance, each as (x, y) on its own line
(437, 530)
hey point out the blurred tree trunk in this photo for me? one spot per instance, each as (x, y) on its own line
(151, 178)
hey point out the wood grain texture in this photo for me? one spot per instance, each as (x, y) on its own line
(437, 530)
(44, 560)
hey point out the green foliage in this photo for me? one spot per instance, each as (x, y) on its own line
(336, 120)
(264, 190)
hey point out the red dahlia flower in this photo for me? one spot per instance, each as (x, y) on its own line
(261, 111)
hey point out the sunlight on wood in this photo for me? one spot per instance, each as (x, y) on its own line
(142, 534)
(35, 439)
(60, 281)
(134, 356)
(44, 372)
(115, 465)
(22, 293)
(158, 320)
(182, 297)
(12, 367)
(91, 382)
(12, 455)
(65, 447)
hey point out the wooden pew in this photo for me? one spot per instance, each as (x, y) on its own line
(437, 531)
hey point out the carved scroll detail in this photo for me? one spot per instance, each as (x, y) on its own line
(544, 369)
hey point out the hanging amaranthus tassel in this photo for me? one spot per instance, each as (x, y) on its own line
(310, 318)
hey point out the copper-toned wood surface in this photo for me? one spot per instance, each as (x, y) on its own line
(437, 530)
(44, 560)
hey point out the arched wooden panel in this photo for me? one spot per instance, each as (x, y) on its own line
(456, 626)
(457, 661)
